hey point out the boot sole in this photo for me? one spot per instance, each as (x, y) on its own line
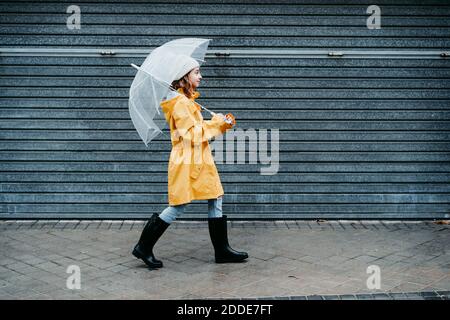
(230, 260)
(138, 255)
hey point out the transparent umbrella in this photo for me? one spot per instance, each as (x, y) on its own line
(152, 83)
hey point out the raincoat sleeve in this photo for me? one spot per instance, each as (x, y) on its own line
(197, 131)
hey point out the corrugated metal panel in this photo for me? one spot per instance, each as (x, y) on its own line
(365, 135)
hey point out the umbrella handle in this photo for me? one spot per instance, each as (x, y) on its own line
(231, 121)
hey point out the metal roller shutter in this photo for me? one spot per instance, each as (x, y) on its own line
(365, 134)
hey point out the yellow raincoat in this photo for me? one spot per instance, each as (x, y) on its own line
(192, 173)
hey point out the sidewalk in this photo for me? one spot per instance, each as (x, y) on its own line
(287, 260)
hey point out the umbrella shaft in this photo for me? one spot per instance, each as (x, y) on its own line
(212, 113)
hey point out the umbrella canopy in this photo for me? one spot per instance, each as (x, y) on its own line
(152, 83)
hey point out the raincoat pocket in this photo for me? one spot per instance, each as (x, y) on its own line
(196, 161)
(195, 171)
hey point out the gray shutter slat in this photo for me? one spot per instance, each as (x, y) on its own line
(286, 124)
(274, 114)
(228, 20)
(350, 146)
(231, 104)
(243, 93)
(336, 178)
(238, 189)
(116, 166)
(221, 42)
(236, 31)
(123, 61)
(230, 72)
(286, 135)
(208, 8)
(291, 156)
(81, 84)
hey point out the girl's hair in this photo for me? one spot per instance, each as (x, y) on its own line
(185, 84)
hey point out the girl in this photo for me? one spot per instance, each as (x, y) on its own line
(192, 174)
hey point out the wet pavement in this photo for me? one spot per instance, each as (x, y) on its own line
(40, 259)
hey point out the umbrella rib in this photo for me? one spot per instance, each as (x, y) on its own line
(140, 116)
(154, 94)
(151, 75)
(137, 85)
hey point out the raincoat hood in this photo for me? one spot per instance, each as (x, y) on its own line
(168, 105)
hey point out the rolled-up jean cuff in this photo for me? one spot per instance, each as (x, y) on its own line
(171, 213)
(215, 208)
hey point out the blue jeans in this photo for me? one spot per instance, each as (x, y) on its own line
(170, 213)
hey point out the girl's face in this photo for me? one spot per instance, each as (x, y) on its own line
(194, 77)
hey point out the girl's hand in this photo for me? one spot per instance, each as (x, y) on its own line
(229, 118)
(221, 115)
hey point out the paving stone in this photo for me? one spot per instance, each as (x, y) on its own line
(429, 294)
(397, 296)
(382, 296)
(414, 296)
(118, 268)
(314, 297)
(298, 298)
(331, 297)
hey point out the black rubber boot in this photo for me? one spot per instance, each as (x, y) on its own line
(219, 238)
(154, 228)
